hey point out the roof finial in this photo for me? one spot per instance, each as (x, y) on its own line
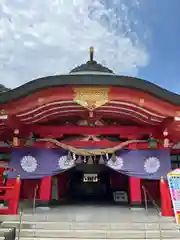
(91, 54)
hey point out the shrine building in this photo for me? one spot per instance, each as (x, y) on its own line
(89, 135)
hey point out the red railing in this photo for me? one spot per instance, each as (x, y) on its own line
(10, 194)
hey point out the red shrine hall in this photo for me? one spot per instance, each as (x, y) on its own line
(89, 135)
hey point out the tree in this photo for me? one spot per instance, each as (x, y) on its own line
(3, 88)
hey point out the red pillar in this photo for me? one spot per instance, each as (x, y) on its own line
(166, 203)
(135, 191)
(45, 189)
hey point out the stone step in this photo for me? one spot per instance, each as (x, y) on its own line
(35, 238)
(90, 225)
(87, 218)
(3, 230)
(100, 234)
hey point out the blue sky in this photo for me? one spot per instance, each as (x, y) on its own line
(132, 37)
(162, 19)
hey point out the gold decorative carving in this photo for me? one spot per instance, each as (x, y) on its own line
(91, 98)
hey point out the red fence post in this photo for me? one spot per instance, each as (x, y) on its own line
(166, 203)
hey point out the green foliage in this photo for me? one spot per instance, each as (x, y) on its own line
(3, 88)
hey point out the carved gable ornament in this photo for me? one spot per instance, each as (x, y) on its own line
(91, 98)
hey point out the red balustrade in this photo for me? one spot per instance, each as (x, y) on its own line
(11, 194)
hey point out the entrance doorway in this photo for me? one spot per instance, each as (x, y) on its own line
(96, 184)
(90, 186)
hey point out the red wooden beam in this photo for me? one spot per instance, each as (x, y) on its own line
(167, 123)
(57, 131)
(13, 122)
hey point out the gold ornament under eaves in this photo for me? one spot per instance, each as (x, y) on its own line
(91, 98)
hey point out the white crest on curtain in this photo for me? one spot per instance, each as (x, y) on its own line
(29, 163)
(65, 163)
(117, 165)
(151, 165)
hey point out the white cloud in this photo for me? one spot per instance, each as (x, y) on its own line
(45, 37)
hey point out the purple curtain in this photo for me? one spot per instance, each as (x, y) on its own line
(145, 164)
(34, 163)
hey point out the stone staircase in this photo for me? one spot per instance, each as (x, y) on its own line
(5, 231)
(102, 223)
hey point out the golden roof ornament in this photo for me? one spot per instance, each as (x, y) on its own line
(91, 65)
(91, 51)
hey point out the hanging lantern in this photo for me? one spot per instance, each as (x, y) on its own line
(166, 142)
(16, 131)
(31, 139)
(16, 138)
(152, 142)
(15, 141)
(113, 158)
(165, 133)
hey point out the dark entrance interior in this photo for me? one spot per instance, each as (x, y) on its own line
(95, 183)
